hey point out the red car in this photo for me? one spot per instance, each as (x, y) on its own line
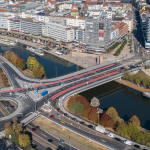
(52, 116)
(33, 129)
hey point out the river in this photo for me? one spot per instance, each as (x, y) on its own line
(126, 101)
(54, 66)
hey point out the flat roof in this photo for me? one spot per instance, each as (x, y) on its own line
(58, 25)
(31, 20)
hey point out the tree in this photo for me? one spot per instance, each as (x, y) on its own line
(8, 127)
(67, 49)
(54, 45)
(24, 140)
(137, 80)
(17, 127)
(76, 95)
(131, 78)
(82, 100)
(48, 42)
(135, 119)
(133, 131)
(6, 32)
(60, 47)
(36, 39)
(113, 114)
(42, 41)
(24, 36)
(7, 55)
(41, 68)
(86, 112)
(13, 58)
(93, 115)
(56, 7)
(107, 121)
(77, 108)
(71, 101)
(37, 73)
(145, 82)
(20, 63)
(122, 128)
(131, 51)
(12, 33)
(18, 34)
(32, 63)
(30, 38)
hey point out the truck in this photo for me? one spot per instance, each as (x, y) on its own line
(100, 129)
(44, 93)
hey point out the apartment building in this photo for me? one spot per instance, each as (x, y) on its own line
(75, 21)
(122, 27)
(31, 26)
(147, 34)
(114, 33)
(58, 31)
(97, 31)
(80, 35)
(3, 22)
(14, 24)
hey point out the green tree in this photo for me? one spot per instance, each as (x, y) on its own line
(138, 81)
(60, 47)
(42, 41)
(8, 127)
(20, 63)
(131, 78)
(113, 114)
(13, 58)
(37, 73)
(32, 63)
(131, 51)
(122, 128)
(67, 49)
(18, 34)
(77, 108)
(6, 32)
(7, 55)
(17, 127)
(56, 7)
(36, 39)
(70, 102)
(24, 140)
(145, 82)
(135, 119)
(54, 44)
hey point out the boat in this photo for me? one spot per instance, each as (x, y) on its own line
(35, 50)
(146, 94)
(7, 42)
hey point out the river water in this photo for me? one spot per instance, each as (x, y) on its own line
(126, 101)
(54, 66)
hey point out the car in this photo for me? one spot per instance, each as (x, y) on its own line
(111, 135)
(58, 114)
(48, 148)
(65, 114)
(83, 123)
(50, 140)
(117, 139)
(37, 127)
(89, 126)
(52, 116)
(127, 142)
(74, 119)
(58, 109)
(62, 141)
(137, 146)
(33, 129)
(12, 106)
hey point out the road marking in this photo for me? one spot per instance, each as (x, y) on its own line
(62, 122)
(43, 134)
(30, 126)
(102, 140)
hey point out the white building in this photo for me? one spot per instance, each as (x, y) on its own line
(114, 33)
(80, 35)
(65, 6)
(58, 31)
(3, 22)
(75, 21)
(95, 7)
(14, 24)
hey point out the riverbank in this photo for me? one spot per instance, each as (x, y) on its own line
(28, 73)
(82, 62)
(132, 85)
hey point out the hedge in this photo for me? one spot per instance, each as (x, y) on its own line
(112, 47)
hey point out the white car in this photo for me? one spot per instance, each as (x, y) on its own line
(111, 135)
(127, 142)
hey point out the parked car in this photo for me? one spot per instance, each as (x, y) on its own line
(58, 114)
(58, 109)
(89, 126)
(127, 142)
(137, 146)
(117, 139)
(33, 129)
(50, 140)
(83, 123)
(65, 114)
(52, 116)
(111, 135)
(62, 141)
(74, 119)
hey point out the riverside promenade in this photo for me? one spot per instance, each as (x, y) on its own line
(82, 62)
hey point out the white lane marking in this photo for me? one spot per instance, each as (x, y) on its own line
(43, 134)
(39, 142)
(30, 126)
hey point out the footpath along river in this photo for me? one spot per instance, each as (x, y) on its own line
(125, 100)
(54, 66)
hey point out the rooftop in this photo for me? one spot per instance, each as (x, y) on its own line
(58, 25)
(113, 29)
(31, 20)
